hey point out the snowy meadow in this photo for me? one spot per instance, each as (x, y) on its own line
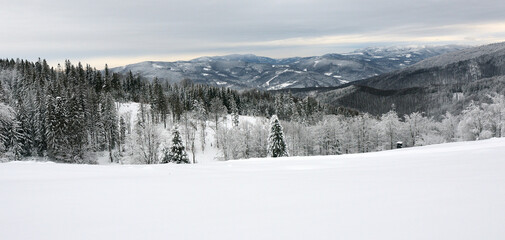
(446, 191)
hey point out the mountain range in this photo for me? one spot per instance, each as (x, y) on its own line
(444, 83)
(256, 72)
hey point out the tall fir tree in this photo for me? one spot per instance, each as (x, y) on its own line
(56, 129)
(177, 152)
(276, 144)
(18, 141)
(110, 123)
(122, 133)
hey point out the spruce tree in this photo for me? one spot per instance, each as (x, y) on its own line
(177, 150)
(110, 123)
(276, 145)
(56, 129)
(122, 133)
(6, 121)
(17, 141)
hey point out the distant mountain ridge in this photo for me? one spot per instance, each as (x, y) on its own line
(447, 82)
(463, 66)
(251, 71)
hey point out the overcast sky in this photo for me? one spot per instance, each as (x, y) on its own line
(120, 32)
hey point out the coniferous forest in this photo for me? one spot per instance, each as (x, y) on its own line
(70, 112)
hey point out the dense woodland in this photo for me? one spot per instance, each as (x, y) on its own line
(66, 112)
(70, 112)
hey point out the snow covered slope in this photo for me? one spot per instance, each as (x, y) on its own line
(448, 191)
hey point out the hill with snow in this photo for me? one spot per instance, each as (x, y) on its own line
(250, 71)
(444, 83)
(447, 191)
(457, 67)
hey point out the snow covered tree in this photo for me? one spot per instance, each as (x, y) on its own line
(495, 114)
(233, 109)
(201, 117)
(7, 116)
(177, 152)
(17, 141)
(122, 133)
(146, 138)
(258, 139)
(416, 124)
(77, 134)
(217, 109)
(472, 124)
(276, 145)
(110, 123)
(159, 103)
(165, 155)
(449, 126)
(391, 126)
(56, 129)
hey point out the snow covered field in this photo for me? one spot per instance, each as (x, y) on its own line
(448, 191)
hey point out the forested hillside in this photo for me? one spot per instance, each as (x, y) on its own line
(67, 112)
(445, 83)
(71, 113)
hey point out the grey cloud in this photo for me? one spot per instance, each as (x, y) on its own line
(75, 29)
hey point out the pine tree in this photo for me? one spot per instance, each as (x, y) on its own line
(110, 123)
(122, 133)
(276, 145)
(7, 117)
(21, 128)
(165, 157)
(177, 150)
(217, 109)
(77, 133)
(234, 111)
(56, 129)
(17, 140)
(159, 103)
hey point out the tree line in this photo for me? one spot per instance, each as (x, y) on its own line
(71, 112)
(68, 112)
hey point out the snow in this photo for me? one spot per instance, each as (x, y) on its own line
(129, 111)
(352, 53)
(495, 50)
(447, 191)
(228, 121)
(157, 66)
(328, 74)
(277, 74)
(281, 86)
